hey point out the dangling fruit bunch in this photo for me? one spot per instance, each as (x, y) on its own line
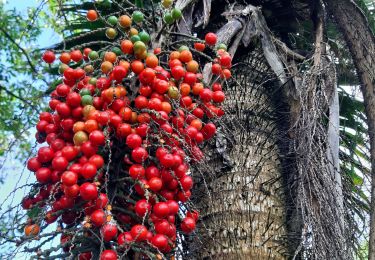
(123, 129)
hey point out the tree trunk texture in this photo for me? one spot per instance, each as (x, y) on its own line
(264, 192)
(361, 42)
(240, 195)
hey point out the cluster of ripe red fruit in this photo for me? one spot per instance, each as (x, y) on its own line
(155, 124)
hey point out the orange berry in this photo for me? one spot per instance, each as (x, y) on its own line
(197, 123)
(106, 67)
(78, 126)
(127, 47)
(197, 88)
(32, 230)
(186, 56)
(185, 89)
(152, 61)
(137, 66)
(110, 56)
(91, 125)
(65, 57)
(174, 55)
(192, 66)
(125, 21)
(166, 107)
(125, 64)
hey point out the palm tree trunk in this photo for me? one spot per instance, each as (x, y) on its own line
(361, 42)
(241, 197)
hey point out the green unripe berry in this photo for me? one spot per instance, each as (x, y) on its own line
(137, 16)
(176, 14)
(139, 47)
(168, 19)
(222, 46)
(183, 48)
(144, 36)
(112, 20)
(92, 81)
(93, 55)
(135, 38)
(87, 100)
(117, 51)
(84, 92)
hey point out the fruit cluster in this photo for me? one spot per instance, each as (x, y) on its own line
(122, 132)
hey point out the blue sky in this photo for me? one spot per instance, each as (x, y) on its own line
(13, 168)
(48, 36)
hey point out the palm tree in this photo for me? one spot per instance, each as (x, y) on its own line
(271, 186)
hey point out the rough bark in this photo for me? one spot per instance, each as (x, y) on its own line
(243, 210)
(361, 42)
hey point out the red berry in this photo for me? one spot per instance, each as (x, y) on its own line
(155, 184)
(188, 225)
(97, 160)
(205, 95)
(141, 102)
(139, 232)
(71, 191)
(162, 227)
(216, 87)
(173, 207)
(218, 96)
(88, 191)
(85, 256)
(216, 69)
(109, 232)
(88, 170)
(119, 72)
(225, 61)
(63, 110)
(161, 209)
(147, 76)
(48, 57)
(97, 137)
(210, 38)
(108, 255)
(33, 164)
(178, 72)
(102, 201)
(167, 160)
(60, 163)
(62, 90)
(69, 152)
(136, 171)
(199, 46)
(69, 178)
(139, 154)
(152, 171)
(142, 207)
(133, 141)
(186, 182)
(209, 130)
(124, 238)
(43, 175)
(45, 154)
(193, 214)
(159, 241)
(98, 217)
(76, 55)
